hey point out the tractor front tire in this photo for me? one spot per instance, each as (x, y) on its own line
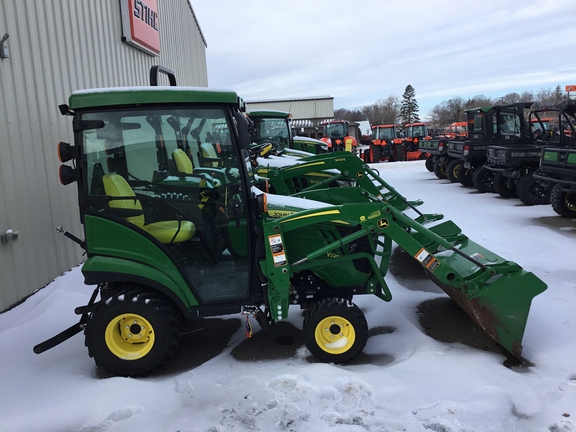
(505, 186)
(376, 153)
(452, 170)
(563, 203)
(483, 179)
(133, 332)
(531, 191)
(335, 330)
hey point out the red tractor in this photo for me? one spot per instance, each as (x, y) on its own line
(336, 135)
(386, 143)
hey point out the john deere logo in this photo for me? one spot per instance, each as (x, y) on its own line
(383, 223)
(359, 174)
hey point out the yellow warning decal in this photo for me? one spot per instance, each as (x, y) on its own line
(427, 259)
(277, 249)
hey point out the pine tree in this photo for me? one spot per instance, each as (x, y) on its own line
(409, 109)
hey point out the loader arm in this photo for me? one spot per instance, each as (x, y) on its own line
(495, 292)
(332, 168)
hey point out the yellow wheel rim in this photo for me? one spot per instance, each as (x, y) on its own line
(335, 335)
(570, 201)
(455, 171)
(129, 336)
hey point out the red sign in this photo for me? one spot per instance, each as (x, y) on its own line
(140, 25)
(571, 88)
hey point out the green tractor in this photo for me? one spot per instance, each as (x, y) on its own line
(558, 158)
(274, 127)
(168, 241)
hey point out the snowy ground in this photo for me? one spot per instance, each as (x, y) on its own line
(405, 381)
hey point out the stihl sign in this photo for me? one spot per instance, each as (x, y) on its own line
(140, 25)
(571, 88)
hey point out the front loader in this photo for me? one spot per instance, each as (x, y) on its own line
(164, 245)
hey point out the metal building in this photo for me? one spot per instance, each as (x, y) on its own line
(47, 50)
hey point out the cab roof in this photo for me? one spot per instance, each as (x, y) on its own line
(114, 96)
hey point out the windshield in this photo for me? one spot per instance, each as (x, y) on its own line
(335, 130)
(418, 131)
(508, 123)
(149, 145)
(275, 131)
(382, 133)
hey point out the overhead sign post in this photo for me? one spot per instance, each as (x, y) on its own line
(140, 25)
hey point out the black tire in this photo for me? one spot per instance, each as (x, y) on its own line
(452, 170)
(117, 326)
(465, 176)
(532, 191)
(399, 153)
(440, 167)
(335, 321)
(505, 186)
(483, 179)
(429, 163)
(563, 203)
(376, 153)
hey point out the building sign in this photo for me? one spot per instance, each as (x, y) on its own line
(140, 25)
(571, 88)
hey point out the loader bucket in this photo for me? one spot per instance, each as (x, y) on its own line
(500, 308)
(495, 292)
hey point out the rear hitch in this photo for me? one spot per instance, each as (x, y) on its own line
(70, 331)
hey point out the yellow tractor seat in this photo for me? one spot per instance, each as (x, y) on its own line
(184, 165)
(166, 232)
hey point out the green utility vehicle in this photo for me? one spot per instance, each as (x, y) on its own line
(168, 241)
(558, 158)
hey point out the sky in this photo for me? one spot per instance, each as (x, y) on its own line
(362, 51)
(405, 380)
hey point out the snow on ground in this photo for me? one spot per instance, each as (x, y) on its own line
(410, 382)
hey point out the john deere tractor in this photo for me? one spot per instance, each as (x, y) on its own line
(168, 239)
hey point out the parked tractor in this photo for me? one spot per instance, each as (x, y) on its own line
(386, 143)
(165, 243)
(558, 158)
(414, 134)
(336, 135)
(274, 127)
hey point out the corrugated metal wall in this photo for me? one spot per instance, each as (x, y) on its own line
(304, 108)
(56, 47)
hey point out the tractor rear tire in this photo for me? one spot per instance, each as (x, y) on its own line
(399, 153)
(429, 163)
(452, 170)
(563, 203)
(465, 176)
(440, 167)
(505, 186)
(531, 191)
(335, 330)
(483, 179)
(376, 153)
(134, 332)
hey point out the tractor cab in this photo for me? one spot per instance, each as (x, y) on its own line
(336, 134)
